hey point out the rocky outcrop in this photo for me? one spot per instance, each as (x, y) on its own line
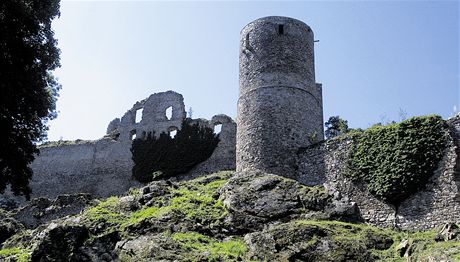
(43, 210)
(255, 198)
(220, 217)
(315, 241)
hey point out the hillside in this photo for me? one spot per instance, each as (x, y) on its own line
(225, 216)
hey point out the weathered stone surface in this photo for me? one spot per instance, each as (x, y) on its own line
(313, 241)
(8, 227)
(154, 189)
(59, 242)
(149, 248)
(254, 198)
(262, 195)
(43, 210)
(280, 106)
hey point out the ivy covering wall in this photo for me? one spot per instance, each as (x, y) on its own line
(166, 156)
(396, 160)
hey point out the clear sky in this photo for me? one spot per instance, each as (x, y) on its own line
(373, 59)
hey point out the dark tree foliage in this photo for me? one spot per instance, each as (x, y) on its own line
(28, 54)
(172, 156)
(335, 126)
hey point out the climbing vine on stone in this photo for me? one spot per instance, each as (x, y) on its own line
(397, 160)
(166, 156)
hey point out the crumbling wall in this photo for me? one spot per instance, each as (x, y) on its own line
(437, 204)
(154, 119)
(223, 157)
(104, 167)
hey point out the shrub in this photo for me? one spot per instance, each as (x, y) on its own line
(165, 156)
(397, 160)
(335, 126)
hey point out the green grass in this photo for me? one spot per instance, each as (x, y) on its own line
(233, 249)
(21, 255)
(196, 200)
(107, 211)
(199, 202)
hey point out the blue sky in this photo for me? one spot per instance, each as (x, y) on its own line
(373, 59)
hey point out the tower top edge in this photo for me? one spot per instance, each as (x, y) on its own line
(273, 20)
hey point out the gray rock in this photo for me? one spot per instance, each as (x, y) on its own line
(42, 210)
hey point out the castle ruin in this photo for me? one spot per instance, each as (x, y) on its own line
(280, 131)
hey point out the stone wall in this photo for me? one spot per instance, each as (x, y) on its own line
(280, 105)
(437, 204)
(103, 167)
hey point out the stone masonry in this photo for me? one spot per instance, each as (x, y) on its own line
(439, 203)
(280, 105)
(103, 167)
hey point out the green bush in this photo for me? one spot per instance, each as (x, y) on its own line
(165, 156)
(397, 160)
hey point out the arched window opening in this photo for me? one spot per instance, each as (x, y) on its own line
(169, 113)
(172, 131)
(139, 115)
(217, 128)
(132, 134)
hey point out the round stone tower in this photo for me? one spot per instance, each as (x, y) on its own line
(280, 105)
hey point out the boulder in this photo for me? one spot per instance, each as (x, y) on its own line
(59, 242)
(43, 210)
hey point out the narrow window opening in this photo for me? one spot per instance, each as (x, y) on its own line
(173, 133)
(139, 115)
(281, 29)
(217, 128)
(247, 41)
(169, 113)
(144, 135)
(132, 134)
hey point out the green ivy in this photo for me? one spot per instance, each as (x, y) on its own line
(164, 156)
(397, 160)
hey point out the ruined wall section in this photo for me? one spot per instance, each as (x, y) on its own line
(154, 117)
(437, 204)
(223, 157)
(104, 167)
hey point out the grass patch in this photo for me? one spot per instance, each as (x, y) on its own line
(21, 255)
(229, 250)
(199, 202)
(196, 200)
(107, 213)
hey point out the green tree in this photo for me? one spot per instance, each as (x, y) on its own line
(28, 89)
(165, 156)
(336, 126)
